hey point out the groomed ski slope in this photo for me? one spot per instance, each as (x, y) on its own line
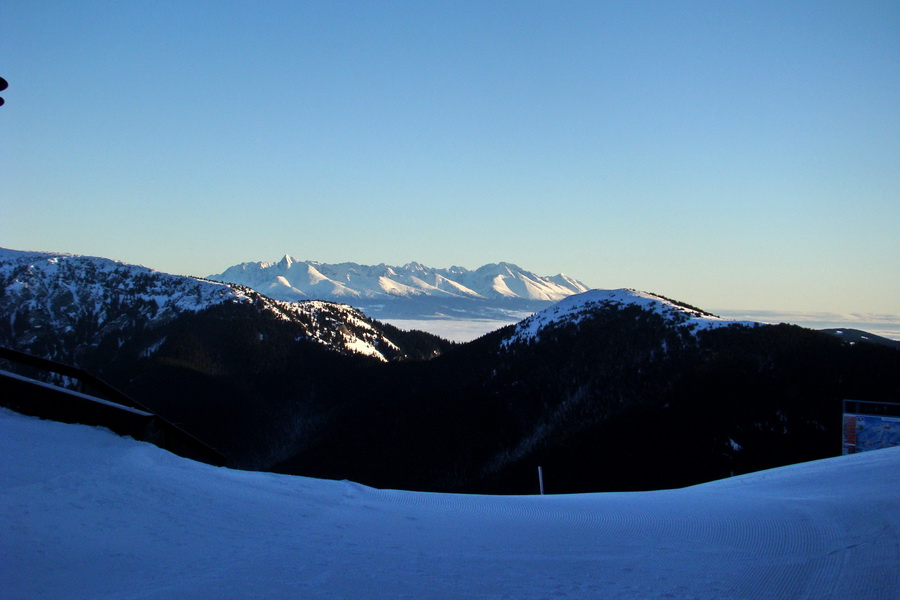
(87, 514)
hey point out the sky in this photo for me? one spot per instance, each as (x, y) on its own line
(737, 156)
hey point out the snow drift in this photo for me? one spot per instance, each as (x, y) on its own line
(88, 514)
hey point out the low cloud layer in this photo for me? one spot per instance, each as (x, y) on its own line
(885, 325)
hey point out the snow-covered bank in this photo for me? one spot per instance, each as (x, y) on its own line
(87, 514)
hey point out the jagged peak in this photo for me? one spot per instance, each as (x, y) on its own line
(414, 266)
(286, 261)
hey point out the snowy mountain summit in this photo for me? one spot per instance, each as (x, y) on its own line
(376, 289)
(575, 308)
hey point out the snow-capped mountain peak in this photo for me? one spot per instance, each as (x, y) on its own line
(580, 306)
(500, 281)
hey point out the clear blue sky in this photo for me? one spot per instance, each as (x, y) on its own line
(728, 154)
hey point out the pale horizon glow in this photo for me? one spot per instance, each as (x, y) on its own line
(722, 154)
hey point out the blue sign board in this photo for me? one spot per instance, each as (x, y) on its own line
(870, 432)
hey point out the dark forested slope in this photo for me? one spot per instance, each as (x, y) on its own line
(622, 400)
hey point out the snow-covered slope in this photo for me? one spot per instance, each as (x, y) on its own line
(575, 308)
(291, 279)
(42, 282)
(88, 515)
(52, 304)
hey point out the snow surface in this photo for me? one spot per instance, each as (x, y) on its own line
(577, 307)
(87, 514)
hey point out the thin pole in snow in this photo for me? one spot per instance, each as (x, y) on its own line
(541, 479)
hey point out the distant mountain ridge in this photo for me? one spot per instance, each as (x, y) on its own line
(425, 291)
(857, 335)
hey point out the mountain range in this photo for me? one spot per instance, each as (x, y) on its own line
(411, 290)
(606, 389)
